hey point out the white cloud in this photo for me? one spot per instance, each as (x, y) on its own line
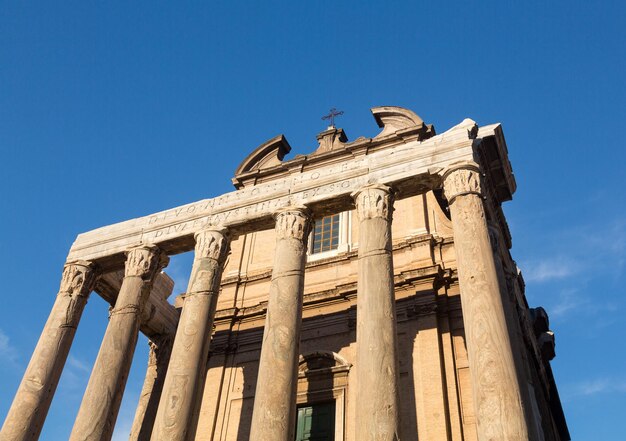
(75, 376)
(595, 386)
(8, 353)
(549, 269)
(79, 365)
(126, 415)
(568, 301)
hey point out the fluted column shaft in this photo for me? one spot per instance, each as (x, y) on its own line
(377, 413)
(34, 395)
(158, 360)
(184, 383)
(101, 402)
(495, 389)
(274, 413)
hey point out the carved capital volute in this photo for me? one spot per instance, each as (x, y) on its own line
(212, 243)
(374, 201)
(79, 278)
(461, 179)
(293, 223)
(145, 261)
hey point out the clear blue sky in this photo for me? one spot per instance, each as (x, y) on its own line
(111, 110)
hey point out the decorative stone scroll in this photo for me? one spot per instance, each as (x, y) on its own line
(77, 282)
(397, 119)
(293, 222)
(144, 261)
(212, 243)
(78, 279)
(460, 180)
(374, 201)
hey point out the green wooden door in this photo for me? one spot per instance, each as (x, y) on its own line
(316, 422)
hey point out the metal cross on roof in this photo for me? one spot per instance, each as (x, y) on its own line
(331, 116)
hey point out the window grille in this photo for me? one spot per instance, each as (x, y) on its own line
(325, 234)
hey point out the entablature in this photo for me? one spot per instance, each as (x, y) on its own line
(406, 155)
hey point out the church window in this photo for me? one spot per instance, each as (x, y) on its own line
(326, 234)
(316, 422)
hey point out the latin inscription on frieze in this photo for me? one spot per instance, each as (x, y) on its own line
(248, 208)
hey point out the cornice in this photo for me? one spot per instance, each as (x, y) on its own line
(433, 276)
(266, 164)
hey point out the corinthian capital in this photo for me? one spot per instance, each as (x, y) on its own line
(293, 222)
(212, 243)
(374, 201)
(145, 261)
(460, 180)
(78, 278)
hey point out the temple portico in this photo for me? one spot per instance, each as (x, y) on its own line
(215, 344)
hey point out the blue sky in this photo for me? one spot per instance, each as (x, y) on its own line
(110, 111)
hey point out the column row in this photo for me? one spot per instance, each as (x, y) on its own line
(499, 412)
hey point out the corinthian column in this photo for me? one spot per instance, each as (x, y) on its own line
(101, 402)
(496, 392)
(160, 350)
(32, 401)
(377, 413)
(274, 414)
(184, 382)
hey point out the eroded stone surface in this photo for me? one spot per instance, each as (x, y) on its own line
(98, 411)
(496, 391)
(274, 413)
(244, 210)
(377, 412)
(377, 399)
(184, 381)
(32, 401)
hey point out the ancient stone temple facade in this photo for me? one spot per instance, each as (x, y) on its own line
(364, 292)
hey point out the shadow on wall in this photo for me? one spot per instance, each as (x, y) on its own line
(237, 354)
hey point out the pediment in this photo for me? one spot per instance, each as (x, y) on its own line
(393, 119)
(267, 155)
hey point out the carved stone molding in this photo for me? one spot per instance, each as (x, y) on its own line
(79, 278)
(293, 223)
(460, 180)
(212, 243)
(145, 261)
(374, 201)
(331, 139)
(394, 119)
